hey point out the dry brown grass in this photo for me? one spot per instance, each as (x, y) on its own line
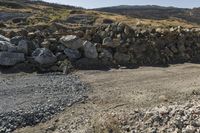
(61, 14)
(144, 22)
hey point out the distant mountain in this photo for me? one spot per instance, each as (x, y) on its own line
(155, 12)
(26, 3)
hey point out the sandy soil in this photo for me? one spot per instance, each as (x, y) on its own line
(124, 90)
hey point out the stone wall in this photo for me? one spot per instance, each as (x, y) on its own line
(147, 46)
(57, 47)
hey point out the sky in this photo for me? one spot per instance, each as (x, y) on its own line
(105, 3)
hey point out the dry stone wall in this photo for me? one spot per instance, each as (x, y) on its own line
(147, 46)
(58, 48)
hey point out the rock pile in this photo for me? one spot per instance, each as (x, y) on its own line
(164, 119)
(106, 45)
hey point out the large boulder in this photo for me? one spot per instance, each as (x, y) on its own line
(106, 55)
(10, 59)
(7, 46)
(71, 41)
(23, 46)
(90, 50)
(16, 39)
(3, 38)
(44, 56)
(72, 54)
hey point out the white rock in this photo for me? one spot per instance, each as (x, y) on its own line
(189, 129)
(71, 41)
(3, 38)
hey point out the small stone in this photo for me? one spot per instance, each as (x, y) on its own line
(54, 68)
(163, 110)
(196, 123)
(163, 98)
(45, 44)
(108, 42)
(189, 129)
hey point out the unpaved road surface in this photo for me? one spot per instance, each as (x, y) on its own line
(27, 99)
(124, 90)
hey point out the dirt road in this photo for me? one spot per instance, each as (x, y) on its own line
(125, 89)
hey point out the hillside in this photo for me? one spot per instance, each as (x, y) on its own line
(30, 13)
(156, 12)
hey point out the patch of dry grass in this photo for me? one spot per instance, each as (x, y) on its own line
(144, 22)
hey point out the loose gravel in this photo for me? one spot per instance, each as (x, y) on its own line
(28, 99)
(164, 119)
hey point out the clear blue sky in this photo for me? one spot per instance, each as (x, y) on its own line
(106, 3)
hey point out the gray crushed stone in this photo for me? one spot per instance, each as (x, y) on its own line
(28, 99)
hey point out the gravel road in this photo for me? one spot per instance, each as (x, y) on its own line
(143, 100)
(27, 99)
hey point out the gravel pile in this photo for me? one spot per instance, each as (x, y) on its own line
(26, 100)
(165, 119)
